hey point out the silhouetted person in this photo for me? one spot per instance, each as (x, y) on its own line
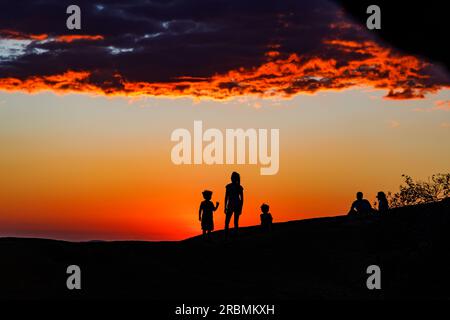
(234, 200)
(266, 218)
(360, 206)
(205, 213)
(383, 204)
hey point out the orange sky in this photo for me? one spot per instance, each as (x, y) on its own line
(86, 115)
(80, 167)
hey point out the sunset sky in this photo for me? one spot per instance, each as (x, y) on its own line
(86, 116)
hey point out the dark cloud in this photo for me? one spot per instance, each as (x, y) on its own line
(416, 28)
(200, 48)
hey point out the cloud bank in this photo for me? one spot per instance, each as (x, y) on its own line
(202, 49)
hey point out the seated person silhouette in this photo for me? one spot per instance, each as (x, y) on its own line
(360, 206)
(266, 218)
(383, 204)
(205, 213)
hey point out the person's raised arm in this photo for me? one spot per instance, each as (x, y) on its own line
(352, 208)
(217, 206)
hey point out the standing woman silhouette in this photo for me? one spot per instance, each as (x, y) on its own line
(234, 199)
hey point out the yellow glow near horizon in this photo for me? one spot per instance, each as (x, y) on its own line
(80, 167)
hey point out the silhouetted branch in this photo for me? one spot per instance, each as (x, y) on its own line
(436, 188)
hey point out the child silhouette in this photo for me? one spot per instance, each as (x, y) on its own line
(205, 213)
(266, 217)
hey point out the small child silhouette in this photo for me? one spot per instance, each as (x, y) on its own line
(205, 212)
(266, 217)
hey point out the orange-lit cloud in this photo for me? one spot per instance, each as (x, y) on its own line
(394, 124)
(442, 105)
(69, 81)
(439, 105)
(283, 75)
(75, 37)
(17, 35)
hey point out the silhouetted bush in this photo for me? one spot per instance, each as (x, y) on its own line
(436, 188)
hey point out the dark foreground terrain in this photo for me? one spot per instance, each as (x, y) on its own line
(311, 259)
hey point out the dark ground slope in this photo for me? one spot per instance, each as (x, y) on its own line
(314, 259)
